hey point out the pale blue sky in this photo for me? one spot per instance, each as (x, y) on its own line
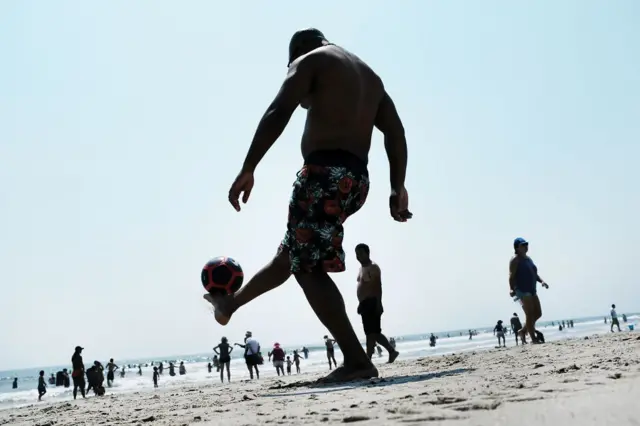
(123, 123)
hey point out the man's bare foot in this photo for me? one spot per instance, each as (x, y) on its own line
(392, 356)
(345, 374)
(222, 307)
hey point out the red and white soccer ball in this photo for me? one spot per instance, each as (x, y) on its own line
(222, 275)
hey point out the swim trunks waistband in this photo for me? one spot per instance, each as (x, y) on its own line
(337, 158)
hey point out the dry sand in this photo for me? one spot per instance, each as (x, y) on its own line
(593, 381)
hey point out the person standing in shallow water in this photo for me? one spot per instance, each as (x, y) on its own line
(345, 100)
(111, 369)
(78, 372)
(370, 302)
(331, 351)
(224, 349)
(42, 386)
(523, 276)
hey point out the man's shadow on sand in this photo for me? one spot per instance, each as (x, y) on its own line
(378, 382)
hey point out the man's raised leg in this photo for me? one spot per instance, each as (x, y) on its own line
(273, 275)
(327, 302)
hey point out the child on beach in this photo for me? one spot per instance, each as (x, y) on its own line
(289, 362)
(499, 331)
(155, 377)
(42, 386)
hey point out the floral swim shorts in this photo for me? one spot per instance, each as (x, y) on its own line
(323, 197)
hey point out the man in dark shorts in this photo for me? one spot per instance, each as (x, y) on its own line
(78, 372)
(370, 302)
(345, 100)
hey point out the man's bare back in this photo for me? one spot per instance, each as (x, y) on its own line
(342, 101)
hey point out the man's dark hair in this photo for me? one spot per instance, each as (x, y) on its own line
(364, 248)
(304, 41)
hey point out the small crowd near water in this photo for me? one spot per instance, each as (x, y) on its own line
(284, 362)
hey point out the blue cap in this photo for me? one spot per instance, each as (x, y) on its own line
(519, 241)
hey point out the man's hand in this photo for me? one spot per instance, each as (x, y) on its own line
(545, 285)
(242, 185)
(399, 205)
(512, 292)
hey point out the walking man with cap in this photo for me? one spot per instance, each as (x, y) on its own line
(78, 372)
(345, 99)
(523, 279)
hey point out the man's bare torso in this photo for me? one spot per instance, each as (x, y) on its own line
(342, 103)
(369, 284)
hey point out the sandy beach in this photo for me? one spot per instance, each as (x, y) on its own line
(594, 380)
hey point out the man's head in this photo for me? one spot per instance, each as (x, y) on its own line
(79, 349)
(613, 306)
(515, 315)
(304, 41)
(362, 253)
(521, 246)
(111, 360)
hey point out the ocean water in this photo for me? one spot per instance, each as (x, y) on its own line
(410, 347)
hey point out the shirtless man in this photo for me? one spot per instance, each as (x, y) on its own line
(370, 302)
(345, 100)
(111, 369)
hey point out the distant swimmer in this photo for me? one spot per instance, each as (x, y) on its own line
(470, 334)
(122, 372)
(15, 383)
(111, 369)
(370, 308)
(139, 369)
(392, 342)
(52, 379)
(78, 372)
(278, 355)
(296, 360)
(516, 326)
(156, 375)
(498, 331)
(345, 100)
(331, 356)
(224, 349)
(172, 369)
(305, 351)
(523, 276)
(432, 340)
(624, 319)
(160, 367)
(182, 370)
(614, 318)
(42, 386)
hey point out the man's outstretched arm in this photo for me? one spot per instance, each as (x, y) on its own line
(296, 86)
(389, 123)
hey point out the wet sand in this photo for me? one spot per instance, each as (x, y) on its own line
(592, 381)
